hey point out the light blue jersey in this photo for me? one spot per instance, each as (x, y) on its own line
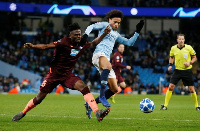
(107, 44)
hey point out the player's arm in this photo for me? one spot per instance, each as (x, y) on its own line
(96, 26)
(100, 38)
(131, 41)
(119, 64)
(39, 46)
(194, 58)
(171, 61)
(117, 61)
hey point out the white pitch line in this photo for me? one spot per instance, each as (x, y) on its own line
(112, 118)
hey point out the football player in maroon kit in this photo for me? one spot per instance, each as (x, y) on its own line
(117, 65)
(66, 53)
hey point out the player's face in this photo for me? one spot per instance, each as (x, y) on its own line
(115, 23)
(181, 41)
(75, 36)
(121, 48)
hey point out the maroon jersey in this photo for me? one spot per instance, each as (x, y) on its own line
(117, 62)
(65, 58)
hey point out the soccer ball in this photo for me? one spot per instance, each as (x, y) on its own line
(147, 105)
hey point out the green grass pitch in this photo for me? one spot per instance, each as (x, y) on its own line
(66, 112)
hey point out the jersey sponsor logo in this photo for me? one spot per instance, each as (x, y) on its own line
(117, 57)
(74, 52)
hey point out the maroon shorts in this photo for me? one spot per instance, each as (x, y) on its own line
(50, 82)
(119, 78)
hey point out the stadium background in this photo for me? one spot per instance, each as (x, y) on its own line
(148, 57)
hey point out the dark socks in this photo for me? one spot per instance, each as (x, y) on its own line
(108, 94)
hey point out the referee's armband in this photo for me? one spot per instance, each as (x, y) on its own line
(170, 64)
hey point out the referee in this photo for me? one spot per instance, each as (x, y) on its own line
(184, 56)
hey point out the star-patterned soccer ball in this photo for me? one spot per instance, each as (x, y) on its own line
(147, 105)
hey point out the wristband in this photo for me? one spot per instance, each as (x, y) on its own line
(170, 64)
(191, 63)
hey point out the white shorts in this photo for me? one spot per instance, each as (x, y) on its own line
(95, 61)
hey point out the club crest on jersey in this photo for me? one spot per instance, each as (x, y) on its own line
(74, 52)
(185, 56)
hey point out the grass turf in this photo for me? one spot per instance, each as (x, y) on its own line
(66, 112)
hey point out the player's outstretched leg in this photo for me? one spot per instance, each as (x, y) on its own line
(88, 110)
(100, 114)
(18, 116)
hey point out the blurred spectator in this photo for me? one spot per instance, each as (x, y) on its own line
(141, 88)
(59, 90)
(128, 90)
(24, 84)
(14, 90)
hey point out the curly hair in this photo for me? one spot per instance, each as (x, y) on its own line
(114, 13)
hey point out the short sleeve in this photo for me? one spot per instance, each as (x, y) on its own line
(192, 51)
(171, 52)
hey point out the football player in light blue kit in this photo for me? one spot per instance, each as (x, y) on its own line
(101, 55)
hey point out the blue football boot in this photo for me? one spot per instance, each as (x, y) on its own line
(88, 110)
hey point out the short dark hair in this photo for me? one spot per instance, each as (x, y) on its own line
(114, 13)
(119, 45)
(180, 35)
(74, 26)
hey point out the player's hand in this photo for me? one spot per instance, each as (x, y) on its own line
(128, 67)
(169, 68)
(139, 26)
(84, 39)
(28, 45)
(187, 64)
(107, 30)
